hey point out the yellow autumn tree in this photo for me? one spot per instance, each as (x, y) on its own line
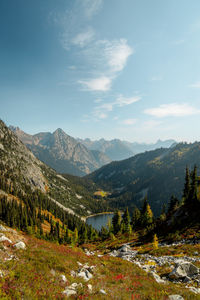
(155, 242)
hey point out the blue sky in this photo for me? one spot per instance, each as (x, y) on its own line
(127, 69)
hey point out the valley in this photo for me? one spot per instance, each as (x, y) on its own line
(45, 212)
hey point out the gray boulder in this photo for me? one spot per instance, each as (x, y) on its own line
(20, 245)
(184, 269)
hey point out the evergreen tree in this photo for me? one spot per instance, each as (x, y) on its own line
(193, 189)
(173, 204)
(186, 190)
(126, 221)
(116, 222)
(146, 214)
(135, 218)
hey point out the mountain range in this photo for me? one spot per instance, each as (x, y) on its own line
(79, 157)
(118, 150)
(62, 152)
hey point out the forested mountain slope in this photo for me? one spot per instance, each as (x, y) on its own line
(157, 174)
(21, 171)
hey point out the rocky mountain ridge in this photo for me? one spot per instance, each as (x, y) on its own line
(62, 152)
(22, 171)
(119, 149)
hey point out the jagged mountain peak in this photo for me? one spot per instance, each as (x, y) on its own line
(62, 152)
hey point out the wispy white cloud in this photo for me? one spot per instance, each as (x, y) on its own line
(122, 101)
(102, 58)
(105, 108)
(195, 85)
(172, 110)
(83, 38)
(91, 7)
(100, 84)
(108, 58)
(117, 53)
(129, 121)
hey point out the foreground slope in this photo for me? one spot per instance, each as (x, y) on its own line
(45, 270)
(22, 171)
(62, 152)
(157, 174)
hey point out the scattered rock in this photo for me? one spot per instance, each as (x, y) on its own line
(69, 292)
(175, 297)
(85, 274)
(102, 292)
(2, 228)
(89, 287)
(63, 278)
(20, 245)
(73, 273)
(3, 238)
(194, 290)
(157, 277)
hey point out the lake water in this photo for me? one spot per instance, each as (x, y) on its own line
(99, 220)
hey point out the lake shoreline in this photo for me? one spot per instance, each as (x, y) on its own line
(98, 214)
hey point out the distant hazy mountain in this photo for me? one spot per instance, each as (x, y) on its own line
(118, 150)
(158, 174)
(142, 147)
(114, 149)
(62, 152)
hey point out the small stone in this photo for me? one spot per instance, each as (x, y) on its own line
(69, 292)
(89, 287)
(102, 292)
(63, 278)
(175, 297)
(20, 245)
(73, 273)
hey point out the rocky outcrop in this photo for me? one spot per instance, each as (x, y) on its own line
(184, 270)
(84, 271)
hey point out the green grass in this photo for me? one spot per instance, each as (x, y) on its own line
(30, 276)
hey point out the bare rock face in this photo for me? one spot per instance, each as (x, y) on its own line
(17, 160)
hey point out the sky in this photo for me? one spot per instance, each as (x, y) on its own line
(127, 69)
